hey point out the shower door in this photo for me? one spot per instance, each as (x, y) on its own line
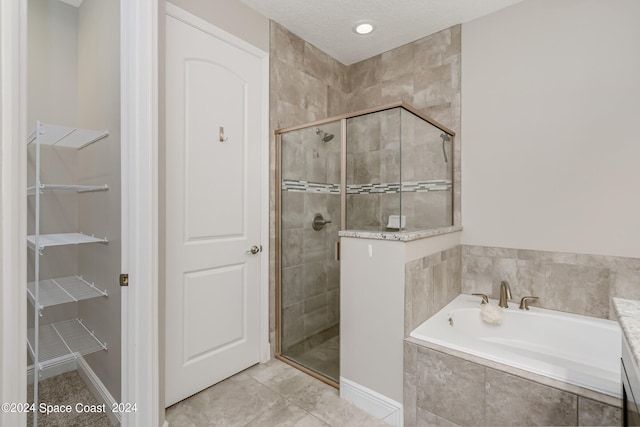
(309, 273)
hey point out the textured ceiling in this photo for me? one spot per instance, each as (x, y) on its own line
(327, 24)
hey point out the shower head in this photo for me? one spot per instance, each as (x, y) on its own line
(326, 137)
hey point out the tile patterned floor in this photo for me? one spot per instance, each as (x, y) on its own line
(324, 358)
(269, 395)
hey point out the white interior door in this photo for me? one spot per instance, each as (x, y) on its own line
(213, 161)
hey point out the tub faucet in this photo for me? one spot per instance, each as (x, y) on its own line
(524, 302)
(505, 294)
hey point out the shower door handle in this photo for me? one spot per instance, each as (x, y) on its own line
(254, 249)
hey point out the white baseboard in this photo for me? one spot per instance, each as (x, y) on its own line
(53, 371)
(372, 402)
(98, 390)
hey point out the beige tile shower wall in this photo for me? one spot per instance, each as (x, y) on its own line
(575, 283)
(305, 85)
(423, 159)
(373, 157)
(430, 283)
(424, 73)
(310, 275)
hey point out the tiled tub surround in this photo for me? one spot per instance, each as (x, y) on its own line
(490, 393)
(575, 283)
(579, 350)
(430, 283)
(445, 387)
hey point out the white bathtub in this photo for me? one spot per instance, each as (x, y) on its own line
(580, 350)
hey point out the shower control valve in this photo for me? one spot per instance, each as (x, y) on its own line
(319, 222)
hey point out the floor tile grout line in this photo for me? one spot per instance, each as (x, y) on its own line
(270, 372)
(287, 399)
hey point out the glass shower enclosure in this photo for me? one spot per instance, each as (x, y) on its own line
(309, 220)
(388, 169)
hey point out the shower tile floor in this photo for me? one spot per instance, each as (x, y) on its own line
(268, 395)
(323, 358)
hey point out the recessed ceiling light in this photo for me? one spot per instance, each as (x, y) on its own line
(363, 28)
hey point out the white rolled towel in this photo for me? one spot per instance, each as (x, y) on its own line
(491, 314)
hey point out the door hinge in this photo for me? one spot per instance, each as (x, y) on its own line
(124, 280)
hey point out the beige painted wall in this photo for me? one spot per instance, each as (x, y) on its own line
(52, 98)
(372, 314)
(98, 164)
(52, 62)
(372, 304)
(74, 80)
(550, 95)
(233, 17)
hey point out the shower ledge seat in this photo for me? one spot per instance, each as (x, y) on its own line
(401, 236)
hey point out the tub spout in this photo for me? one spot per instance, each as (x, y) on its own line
(505, 294)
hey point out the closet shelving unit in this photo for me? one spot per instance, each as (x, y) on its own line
(54, 344)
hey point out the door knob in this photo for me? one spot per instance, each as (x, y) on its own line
(255, 249)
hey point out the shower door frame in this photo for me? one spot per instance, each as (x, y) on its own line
(278, 229)
(343, 205)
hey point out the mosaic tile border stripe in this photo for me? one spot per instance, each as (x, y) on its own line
(295, 185)
(395, 187)
(300, 186)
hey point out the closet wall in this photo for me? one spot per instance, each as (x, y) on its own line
(52, 98)
(99, 164)
(74, 79)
